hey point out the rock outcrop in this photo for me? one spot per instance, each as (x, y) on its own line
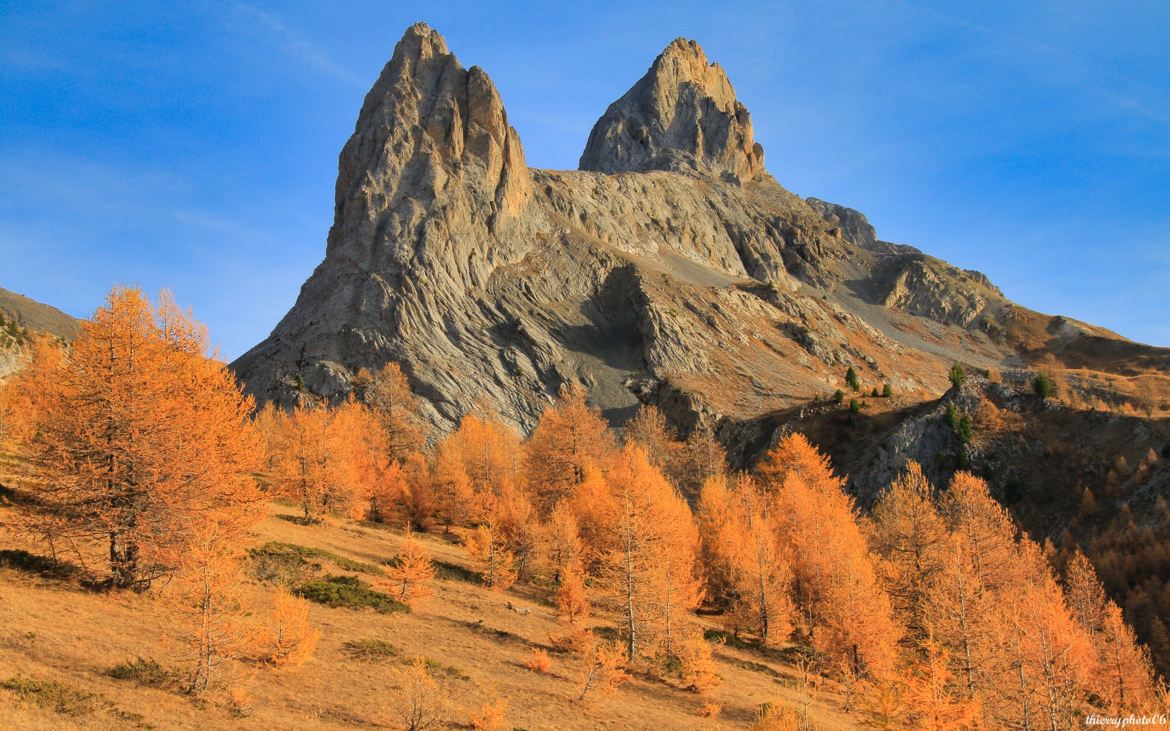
(670, 269)
(682, 116)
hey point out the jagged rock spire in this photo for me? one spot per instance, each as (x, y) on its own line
(681, 116)
(430, 134)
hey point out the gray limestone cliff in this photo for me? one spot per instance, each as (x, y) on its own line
(671, 269)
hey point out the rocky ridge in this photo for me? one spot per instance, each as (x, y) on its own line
(671, 269)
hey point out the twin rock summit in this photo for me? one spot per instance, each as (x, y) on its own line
(670, 269)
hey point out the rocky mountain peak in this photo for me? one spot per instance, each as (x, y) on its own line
(430, 134)
(723, 304)
(682, 116)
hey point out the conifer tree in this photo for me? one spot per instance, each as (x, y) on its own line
(648, 430)
(411, 575)
(649, 573)
(562, 547)
(909, 534)
(573, 609)
(139, 436)
(570, 439)
(397, 410)
(492, 560)
(292, 639)
(931, 705)
(841, 605)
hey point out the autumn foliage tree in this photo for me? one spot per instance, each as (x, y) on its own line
(910, 534)
(212, 614)
(396, 408)
(570, 438)
(842, 607)
(328, 458)
(494, 563)
(290, 638)
(412, 573)
(573, 609)
(746, 556)
(140, 439)
(649, 574)
(931, 701)
(1126, 673)
(418, 701)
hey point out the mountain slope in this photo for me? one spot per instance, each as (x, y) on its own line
(672, 269)
(22, 317)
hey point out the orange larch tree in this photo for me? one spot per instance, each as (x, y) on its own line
(649, 430)
(842, 606)
(593, 504)
(931, 703)
(959, 612)
(329, 459)
(700, 458)
(396, 408)
(745, 557)
(987, 529)
(519, 528)
(485, 547)
(573, 608)
(560, 538)
(209, 589)
(290, 638)
(721, 534)
(570, 439)
(143, 436)
(909, 535)
(1125, 679)
(763, 576)
(649, 572)
(412, 573)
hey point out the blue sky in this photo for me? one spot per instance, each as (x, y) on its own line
(194, 146)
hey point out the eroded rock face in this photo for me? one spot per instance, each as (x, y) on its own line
(849, 224)
(682, 116)
(671, 269)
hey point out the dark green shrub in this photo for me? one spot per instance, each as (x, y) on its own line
(851, 379)
(58, 697)
(961, 423)
(144, 672)
(1044, 386)
(349, 592)
(68, 700)
(454, 572)
(838, 396)
(292, 555)
(887, 391)
(371, 650)
(434, 667)
(966, 429)
(854, 406)
(957, 375)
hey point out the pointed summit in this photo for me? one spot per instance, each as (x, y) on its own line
(430, 134)
(681, 116)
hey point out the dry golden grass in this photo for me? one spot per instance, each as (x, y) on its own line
(478, 648)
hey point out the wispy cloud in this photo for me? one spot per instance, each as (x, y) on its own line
(295, 43)
(1073, 69)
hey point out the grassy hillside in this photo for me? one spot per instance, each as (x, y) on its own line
(61, 642)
